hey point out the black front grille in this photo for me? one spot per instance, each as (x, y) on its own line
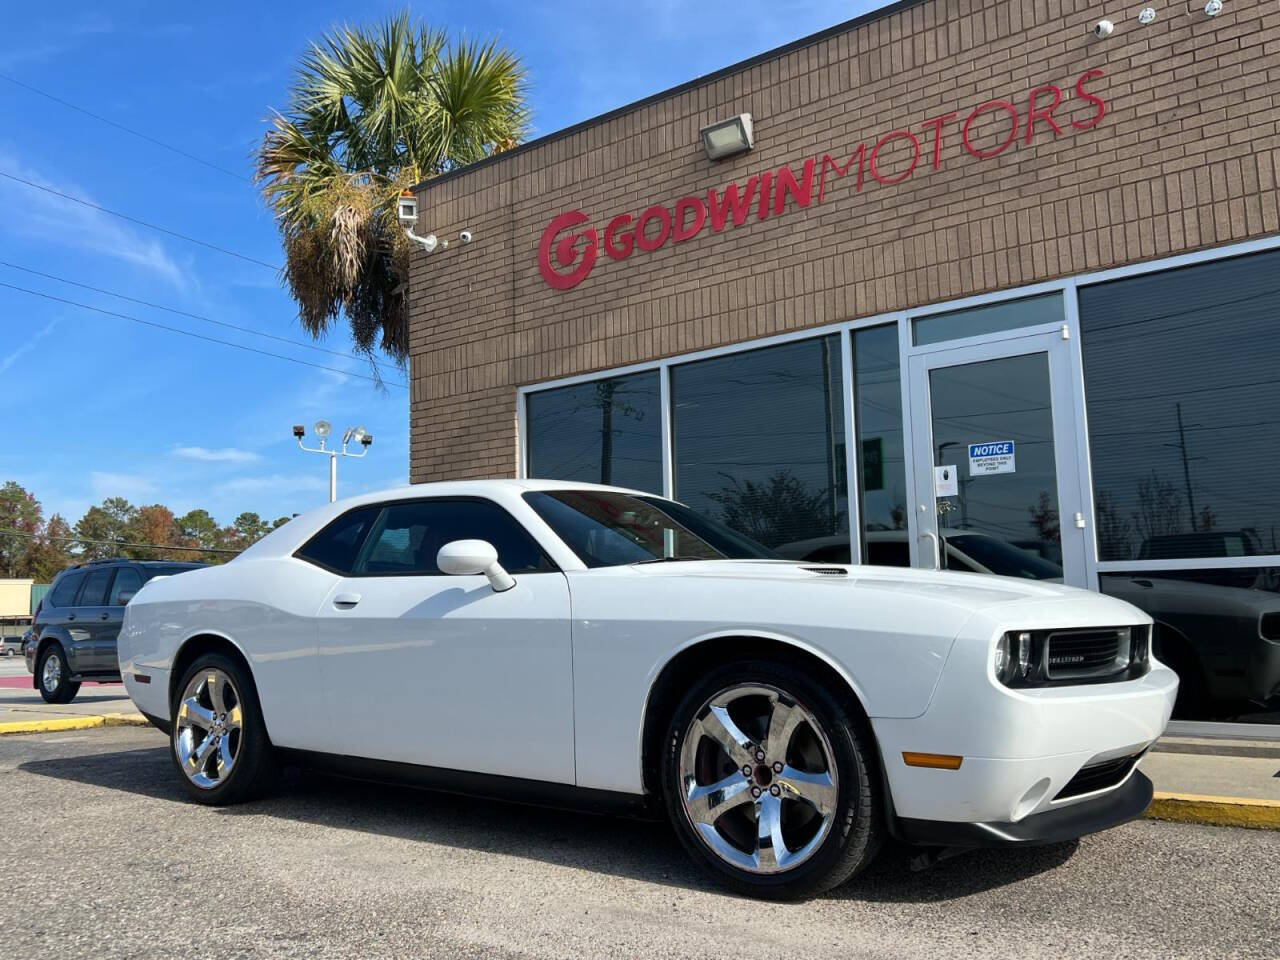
(1086, 653)
(1098, 776)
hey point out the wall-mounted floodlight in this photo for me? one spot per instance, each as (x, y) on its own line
(407, 214)
(727, 138)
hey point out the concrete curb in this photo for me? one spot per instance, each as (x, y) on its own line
(1216, 811)
(74, 723)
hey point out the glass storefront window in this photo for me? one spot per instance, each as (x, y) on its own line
(992, 318)
(1181, 385)
(603, 431)
(759, 444)
(882, 477)
(1220, 630)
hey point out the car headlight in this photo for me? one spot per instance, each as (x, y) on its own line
(1012, 657)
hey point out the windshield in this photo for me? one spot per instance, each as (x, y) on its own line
(607, 529)
(1001, 558)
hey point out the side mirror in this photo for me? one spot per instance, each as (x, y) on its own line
(465, 558)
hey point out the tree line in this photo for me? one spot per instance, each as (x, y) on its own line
(31, 546)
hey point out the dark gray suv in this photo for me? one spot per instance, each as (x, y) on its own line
(74, 631)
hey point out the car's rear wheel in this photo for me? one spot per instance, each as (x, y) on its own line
(218, 739)
(56, 685)
(770, 781)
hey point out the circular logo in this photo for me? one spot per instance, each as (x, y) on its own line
(570, 255)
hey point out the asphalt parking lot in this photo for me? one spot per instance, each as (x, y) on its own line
(102, 856)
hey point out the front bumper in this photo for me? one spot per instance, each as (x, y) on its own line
(1127, 802)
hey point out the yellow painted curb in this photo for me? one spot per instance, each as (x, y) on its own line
(73, 723)
(1216, 811)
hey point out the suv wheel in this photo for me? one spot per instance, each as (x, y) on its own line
(770, 782)
(218, 739)
(56, 685)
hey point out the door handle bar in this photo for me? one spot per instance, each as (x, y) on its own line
(933, 539)
(346, 600)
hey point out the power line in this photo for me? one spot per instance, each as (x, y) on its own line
(141, 223)
(129, 130)
(180, 313)
(117, 543)
(199, 336)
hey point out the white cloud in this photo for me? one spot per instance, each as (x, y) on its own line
(272, 483)
(205, 455)
(14, 356)
(131, 486)
(35, 213)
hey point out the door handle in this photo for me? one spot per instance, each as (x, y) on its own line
(71, 616)
(104, 616)
(346, 600)
(933, 544)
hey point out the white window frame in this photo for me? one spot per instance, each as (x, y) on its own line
(1070, 327)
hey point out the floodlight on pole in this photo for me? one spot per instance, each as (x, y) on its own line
(322, 429)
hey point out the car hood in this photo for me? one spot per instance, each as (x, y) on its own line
(971, 591)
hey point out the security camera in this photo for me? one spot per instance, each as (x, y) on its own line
(299, 431)
(367, 440)
(1213, 8)
(465, 236)
(407, 210)
(1103, 28)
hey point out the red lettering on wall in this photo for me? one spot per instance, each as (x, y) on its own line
(801, 192)
(628, 239)
(566, 256)
(936, 123)
(840, 171)
(889, 138)
(682, 231)
(1084, 94)
(663, 216)
(1035, 113)
(985, 108)
(720, 208)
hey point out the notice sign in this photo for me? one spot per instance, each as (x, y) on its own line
(944, 481)
(994, 457)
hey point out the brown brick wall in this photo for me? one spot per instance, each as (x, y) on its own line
(1186, 157)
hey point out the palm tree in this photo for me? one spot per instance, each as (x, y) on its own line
(374, 110)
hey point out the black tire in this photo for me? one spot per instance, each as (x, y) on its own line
(255, 770)
(65, 690)
(857, 825)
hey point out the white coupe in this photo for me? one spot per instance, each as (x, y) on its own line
(568, 643)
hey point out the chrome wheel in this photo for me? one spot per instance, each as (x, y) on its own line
(51, 675)
(208, 728)
(757, 779)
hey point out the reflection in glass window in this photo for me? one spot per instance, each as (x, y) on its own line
(992, 318)
(1182, 385)
(1220, 630)
(604, 431)
(882, 479)
(758, 440)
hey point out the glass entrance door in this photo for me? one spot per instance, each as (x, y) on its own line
(995, 478)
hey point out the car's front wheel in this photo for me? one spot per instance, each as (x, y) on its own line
(56, 685)
(770, 781)
(218, 738)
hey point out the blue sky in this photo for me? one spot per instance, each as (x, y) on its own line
(97, 406)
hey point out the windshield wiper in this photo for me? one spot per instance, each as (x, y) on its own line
(676, 559)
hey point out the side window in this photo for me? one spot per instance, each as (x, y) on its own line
(64, 594)
(95, 588)
(409, 535)
(335, 547)
(127, 583)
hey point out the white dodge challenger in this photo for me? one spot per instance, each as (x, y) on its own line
(574, 644)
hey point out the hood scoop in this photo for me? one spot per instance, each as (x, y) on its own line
(827, 571)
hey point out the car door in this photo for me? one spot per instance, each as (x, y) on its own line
(128, 581)
(443, 671)
(90, 629)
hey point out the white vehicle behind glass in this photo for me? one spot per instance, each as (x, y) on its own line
(561, 642)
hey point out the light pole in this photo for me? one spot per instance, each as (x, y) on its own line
(322, 429)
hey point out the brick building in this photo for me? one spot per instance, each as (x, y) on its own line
(988, 291)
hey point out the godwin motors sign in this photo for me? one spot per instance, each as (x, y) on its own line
(568, 250)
